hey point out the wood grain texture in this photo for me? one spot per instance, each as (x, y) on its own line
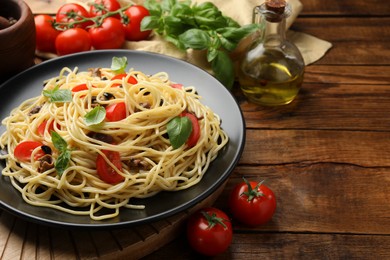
(326, 156)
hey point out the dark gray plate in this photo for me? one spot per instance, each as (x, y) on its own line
(29, 84)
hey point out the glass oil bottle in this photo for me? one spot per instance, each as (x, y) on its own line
(271, 71)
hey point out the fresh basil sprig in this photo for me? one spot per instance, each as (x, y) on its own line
(118, 64)
(179, 130)
(58, 95)
(63, 159)
(198, 27)
(95, 116)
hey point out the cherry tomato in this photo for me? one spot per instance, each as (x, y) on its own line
(130, 80)
(46, 34)
(132, 24)
(116, 112)
(79, 88)
(105, 171)
(110, 35)
(73, 40)
(24, 150)
(101, 7)
(71, 12)
(209, 231)
(177, 85)
(42, 127)
(195, 133)
(252, 203)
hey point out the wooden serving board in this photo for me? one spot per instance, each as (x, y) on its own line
(20, 239)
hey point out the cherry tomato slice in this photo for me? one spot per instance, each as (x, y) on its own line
(177, 85)
(42, 127)
(24, 150)
(195, 133)
(116, 112)
(131, 80)
(105, 171)
(79, 88)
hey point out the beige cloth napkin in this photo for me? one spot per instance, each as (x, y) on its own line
(312, 48)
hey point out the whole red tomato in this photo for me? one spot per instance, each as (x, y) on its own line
(109, 35)
(46, 34)
(252, 203)
(73, 12)
(132, 23)
(209, 231)
(73, 40)
(100, 7)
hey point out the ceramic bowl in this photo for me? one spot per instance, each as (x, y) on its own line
(17, 38)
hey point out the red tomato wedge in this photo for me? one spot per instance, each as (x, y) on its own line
(195, 133)
(131, 80)
(24, 150)
(42, 127)
(177, 85)
(105, 171)
(116, 112)
(80, 88)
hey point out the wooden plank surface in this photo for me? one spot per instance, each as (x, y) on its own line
(326, 155)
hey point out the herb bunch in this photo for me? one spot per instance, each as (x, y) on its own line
(198, 27)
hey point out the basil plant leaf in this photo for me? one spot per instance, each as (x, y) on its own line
(119, 65)
(95, 116)
(179, 130)
(196, 39)
(223, 68)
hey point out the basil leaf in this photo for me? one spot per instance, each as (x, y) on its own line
(58, 142)
(95, 116)
(63, 159)
(224, 69)
(196, 39)
(149, 23)
(236, 34)
(179, 130)
(119, 65)
(57, 95)
(62, 162)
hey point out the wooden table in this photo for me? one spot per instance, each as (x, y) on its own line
(326, 156)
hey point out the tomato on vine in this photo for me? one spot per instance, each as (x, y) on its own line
(73, 40)
(72, 12)
(109, 35)
(100, 7)
(46, 33)
(252, 203)
(209, 231)
(132, 23)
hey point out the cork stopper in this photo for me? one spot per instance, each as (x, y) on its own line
(276, 7)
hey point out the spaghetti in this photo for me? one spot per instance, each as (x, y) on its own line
(148, 162)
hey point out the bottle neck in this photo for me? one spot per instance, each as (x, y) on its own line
(272, 24)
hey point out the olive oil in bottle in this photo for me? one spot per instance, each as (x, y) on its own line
(272, 69)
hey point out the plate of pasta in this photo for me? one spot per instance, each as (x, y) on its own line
(114, 138)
